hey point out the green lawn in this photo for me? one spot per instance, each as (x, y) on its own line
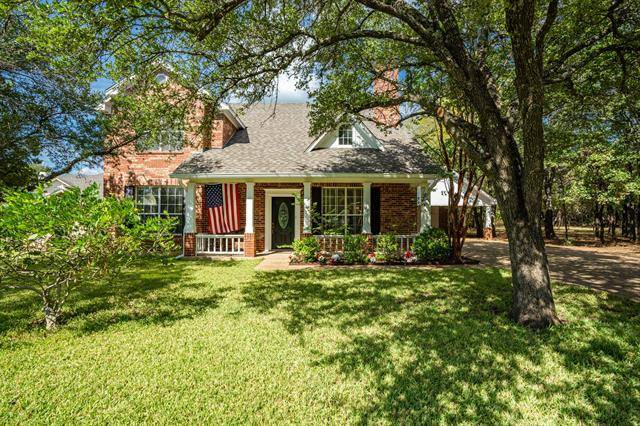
(218, 342)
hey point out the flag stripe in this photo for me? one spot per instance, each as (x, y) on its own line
(223, 212)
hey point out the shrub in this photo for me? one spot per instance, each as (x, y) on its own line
(306, 249)
(432, 245)
(387, 248)
(53, 245)
(355, 249)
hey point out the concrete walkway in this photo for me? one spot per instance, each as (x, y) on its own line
(597, 268)
(278, 261)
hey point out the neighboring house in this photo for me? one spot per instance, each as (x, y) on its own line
(287, 184)
(440, 206)
(70, 180)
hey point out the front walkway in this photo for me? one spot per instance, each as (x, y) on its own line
(277, 261)
(598, 268)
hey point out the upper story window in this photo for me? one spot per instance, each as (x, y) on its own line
(345, 135)
(162, 141)
(161, 201)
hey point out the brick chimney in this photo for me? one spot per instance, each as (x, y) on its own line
(388, 116)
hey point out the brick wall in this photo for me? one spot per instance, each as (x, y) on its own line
(398, 208)
(133, 168)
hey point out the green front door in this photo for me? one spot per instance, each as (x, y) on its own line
(282, 222)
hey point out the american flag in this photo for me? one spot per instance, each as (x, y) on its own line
(222, 207)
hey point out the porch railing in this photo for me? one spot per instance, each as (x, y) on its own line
(219, 244)
(333, 243)
(404, 241)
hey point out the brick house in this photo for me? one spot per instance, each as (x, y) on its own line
(288, 183)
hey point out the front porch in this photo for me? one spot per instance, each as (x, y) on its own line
(371, 208)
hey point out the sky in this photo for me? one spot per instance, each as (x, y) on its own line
(287, 91)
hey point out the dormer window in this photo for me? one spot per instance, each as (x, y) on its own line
(345, 135)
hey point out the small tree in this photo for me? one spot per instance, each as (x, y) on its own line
(464, 178)
(53, 245)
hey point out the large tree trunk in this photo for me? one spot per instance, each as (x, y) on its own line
(533, 303)
(514, 167)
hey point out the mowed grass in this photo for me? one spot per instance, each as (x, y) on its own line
(217, 342)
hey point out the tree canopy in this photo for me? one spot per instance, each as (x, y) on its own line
(505, 61)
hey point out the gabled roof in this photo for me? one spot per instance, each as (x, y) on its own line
(277, 144)
(70, 180)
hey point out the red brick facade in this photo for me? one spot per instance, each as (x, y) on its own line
(398, 208)
(133, 168)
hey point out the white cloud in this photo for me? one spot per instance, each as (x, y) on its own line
(287, 91)
(89, 170)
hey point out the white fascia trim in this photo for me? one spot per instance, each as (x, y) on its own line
(372, 137)
(373, 140)
(231, 116)
(296, 177)
(315, 143)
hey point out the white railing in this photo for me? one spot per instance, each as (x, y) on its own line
(404, 241)
(333, 243)
(219, 244)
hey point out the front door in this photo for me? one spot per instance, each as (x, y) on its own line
(282, 222)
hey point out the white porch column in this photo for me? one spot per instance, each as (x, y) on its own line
(366, 208)
(423, 195)
(306, 226)
(248, 212)
(190, 209)
(488, 216)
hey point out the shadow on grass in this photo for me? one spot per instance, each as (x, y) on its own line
(439, 347)
(146, 293)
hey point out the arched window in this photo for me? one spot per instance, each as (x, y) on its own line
(345, 135)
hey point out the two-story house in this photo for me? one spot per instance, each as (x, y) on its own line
(258, 181)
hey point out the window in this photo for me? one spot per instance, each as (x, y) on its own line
(163, 141)
(161, 201)
(345, 135)
(342, 210)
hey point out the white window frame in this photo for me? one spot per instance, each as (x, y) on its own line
(345, 140)
(345, 214)
(159, 197)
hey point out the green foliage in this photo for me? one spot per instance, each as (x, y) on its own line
(401, 346)
(53, 245)
(354, 248)
(306, 248)
(432, 245)
(387, 248)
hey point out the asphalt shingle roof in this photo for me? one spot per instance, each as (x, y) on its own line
(276, 144)
(74, 180)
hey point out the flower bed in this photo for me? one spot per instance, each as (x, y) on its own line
(430, 248)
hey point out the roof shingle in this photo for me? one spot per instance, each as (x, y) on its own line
(275, 143)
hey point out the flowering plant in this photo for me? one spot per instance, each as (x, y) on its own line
(372, 257)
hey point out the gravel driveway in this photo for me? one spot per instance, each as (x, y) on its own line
(598, 268)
